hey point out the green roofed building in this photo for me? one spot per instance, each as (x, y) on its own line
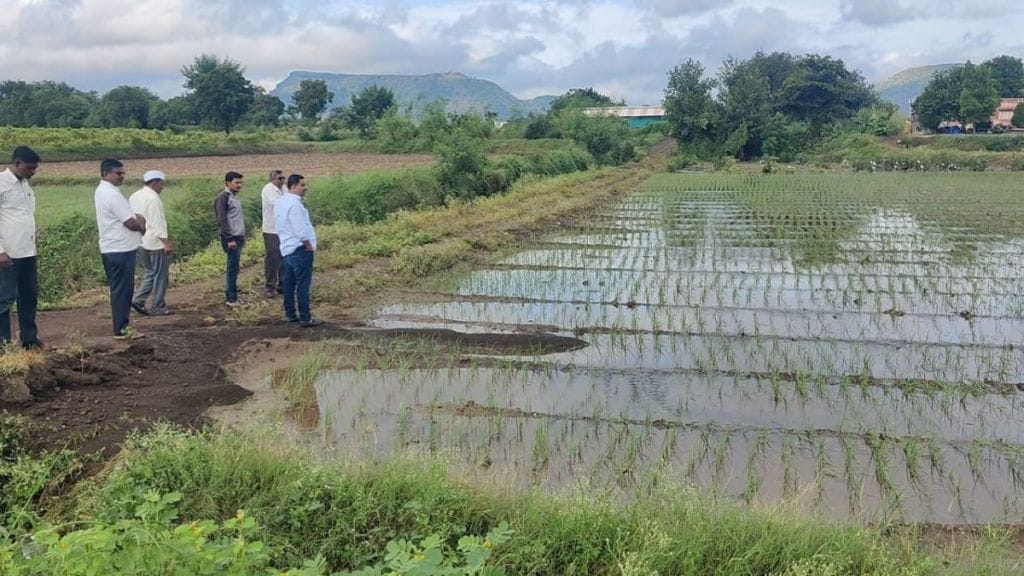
(636, 116)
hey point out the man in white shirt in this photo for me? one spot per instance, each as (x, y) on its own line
(298, 243)
(120, 231)
(272, 263)
(19, 278)
(155, 252)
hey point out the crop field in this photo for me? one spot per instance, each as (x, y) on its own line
(849, 344)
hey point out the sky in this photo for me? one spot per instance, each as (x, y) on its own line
(623, 48)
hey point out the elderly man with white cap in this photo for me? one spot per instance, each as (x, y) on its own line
(155, 252)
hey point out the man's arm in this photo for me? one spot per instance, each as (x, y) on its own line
(5, 259)
(299, 226)
(123, 212)
(220, 207)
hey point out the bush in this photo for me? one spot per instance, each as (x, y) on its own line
(682, 161)
(69, 259)
(370, 197)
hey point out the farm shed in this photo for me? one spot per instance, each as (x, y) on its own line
(636, 116)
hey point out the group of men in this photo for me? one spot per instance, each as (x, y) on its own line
(288, 238)
(133, 231)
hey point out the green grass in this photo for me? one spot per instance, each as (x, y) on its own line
(346, 513)
(57, 144)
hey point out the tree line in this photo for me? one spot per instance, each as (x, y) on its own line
(773, 104)
(971, 93)
(218, 96)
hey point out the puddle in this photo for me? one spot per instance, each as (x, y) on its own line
(855, 358)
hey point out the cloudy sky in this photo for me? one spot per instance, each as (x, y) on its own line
(621, 47)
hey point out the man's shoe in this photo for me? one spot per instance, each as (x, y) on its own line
(311, 323)
(234, 303)
(292, 319)
(269, 293)
(37, 345)
(140, 309)
(133, 335)
(161, 312)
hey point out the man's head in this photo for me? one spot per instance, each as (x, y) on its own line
(154, 179)
(112, 171)
(277, 178)
(233, 181)
(24, 162)
(297, 184)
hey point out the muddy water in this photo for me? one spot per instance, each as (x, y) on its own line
(853, 359)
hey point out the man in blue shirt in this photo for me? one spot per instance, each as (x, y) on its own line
(298, 244)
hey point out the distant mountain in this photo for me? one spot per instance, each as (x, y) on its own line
(904, 87)
(461, 93)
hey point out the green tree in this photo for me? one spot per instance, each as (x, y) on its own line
(177, 111)
(367, 107)
(1018, 116)
(979, 95)
(15, 101)
(125, 107)
(312, 98)
(690, 109)
(940, 99)
(746, 99)
(581, 98)
(266, 110)
(221, 93)
(1008, 74)
(821, 90)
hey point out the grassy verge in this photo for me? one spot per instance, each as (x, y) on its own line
(60, 144)
(347, 516)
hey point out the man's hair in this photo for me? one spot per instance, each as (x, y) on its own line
(232, 176)
(294, 179)
(26, 155)
(109, 165)
(275, 173)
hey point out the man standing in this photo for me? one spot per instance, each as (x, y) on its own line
(155, 252)
(121, 232)
(231, 222)
(19, 278)
(271, 193)
(298, 243)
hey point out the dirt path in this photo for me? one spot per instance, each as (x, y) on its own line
(307, 164)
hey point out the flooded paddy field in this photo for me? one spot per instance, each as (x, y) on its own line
(847, 343)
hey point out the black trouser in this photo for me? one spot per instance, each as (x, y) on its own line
(120, 269)
(19, 283)
(272, 261)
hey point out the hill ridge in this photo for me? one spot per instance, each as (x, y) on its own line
(461, 92)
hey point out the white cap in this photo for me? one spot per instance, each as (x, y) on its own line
(153, 175)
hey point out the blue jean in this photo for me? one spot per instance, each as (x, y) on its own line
(298, 277)
(231, 274)
(19, 283)
(120, 269)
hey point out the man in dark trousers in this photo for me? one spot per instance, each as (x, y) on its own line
(271, 193)
(19, 277)
(298, 243)
(231, 224)
(121, 232)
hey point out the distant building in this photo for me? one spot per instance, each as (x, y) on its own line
(1003, 115)
(636, 116)
(950, 127)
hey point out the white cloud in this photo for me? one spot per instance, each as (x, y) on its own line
(532, 47)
